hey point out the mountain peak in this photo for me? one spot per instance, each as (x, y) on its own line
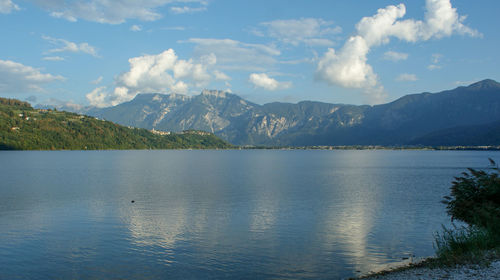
(485, 85)
(216, 93)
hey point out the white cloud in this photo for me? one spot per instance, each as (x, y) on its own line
(97, 81)
(7, 6)
(395, 56)
(304, 30)
(67, 46)
(62, 104)
(405, 77)
(187, 10)
(435, 60)
(465, 83)
(434, 67)
(18, 78)
(98, 97)
(135, 28)
(349, 68)
(221, 76)
(162, 72)
(209, 59)
(236, 55)
(105, 11)
(442, 20)
(319, 42)
(53, 58)
(297, 61)
(176, 28)
(262, 80)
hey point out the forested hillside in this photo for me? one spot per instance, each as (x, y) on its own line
(25, 128)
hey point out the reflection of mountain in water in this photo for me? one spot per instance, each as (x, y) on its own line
(216, 214)
(268, 213)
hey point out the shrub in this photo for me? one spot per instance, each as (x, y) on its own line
(475, 198)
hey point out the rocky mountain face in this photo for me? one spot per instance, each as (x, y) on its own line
(401, 122)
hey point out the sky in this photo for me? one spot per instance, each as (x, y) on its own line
(102, 53)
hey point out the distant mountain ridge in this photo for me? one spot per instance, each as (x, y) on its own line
(401, 122)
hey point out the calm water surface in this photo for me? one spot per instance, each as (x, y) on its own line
(220, 214)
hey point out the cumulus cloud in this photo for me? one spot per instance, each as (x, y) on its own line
(18, 78)
(349, 68)
(395, 56)
(262, 80)
(405, 77)
(7, 6)
(236, 55)
(305, 30)
(135, 28)
(67, 46)
(98, 97)
(112, 12)
(154, 73)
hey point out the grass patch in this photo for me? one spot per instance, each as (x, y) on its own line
(465, 245)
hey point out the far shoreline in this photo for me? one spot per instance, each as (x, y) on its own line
(325, 148)
(373, 147)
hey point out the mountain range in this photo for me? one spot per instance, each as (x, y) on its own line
(462, 116)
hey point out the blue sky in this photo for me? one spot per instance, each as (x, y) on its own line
(104, 52)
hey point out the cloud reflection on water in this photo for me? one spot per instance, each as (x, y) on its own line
(269, 214)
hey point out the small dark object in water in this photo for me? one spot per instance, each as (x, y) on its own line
(132, 201)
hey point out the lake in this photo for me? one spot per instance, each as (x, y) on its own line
(266, 214)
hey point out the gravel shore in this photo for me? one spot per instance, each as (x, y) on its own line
(461, 272)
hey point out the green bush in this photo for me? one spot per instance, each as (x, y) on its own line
(475, 198)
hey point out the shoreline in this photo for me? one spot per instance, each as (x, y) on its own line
(486, 266)
(491, 271)
(375, 147)
(308, 148)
